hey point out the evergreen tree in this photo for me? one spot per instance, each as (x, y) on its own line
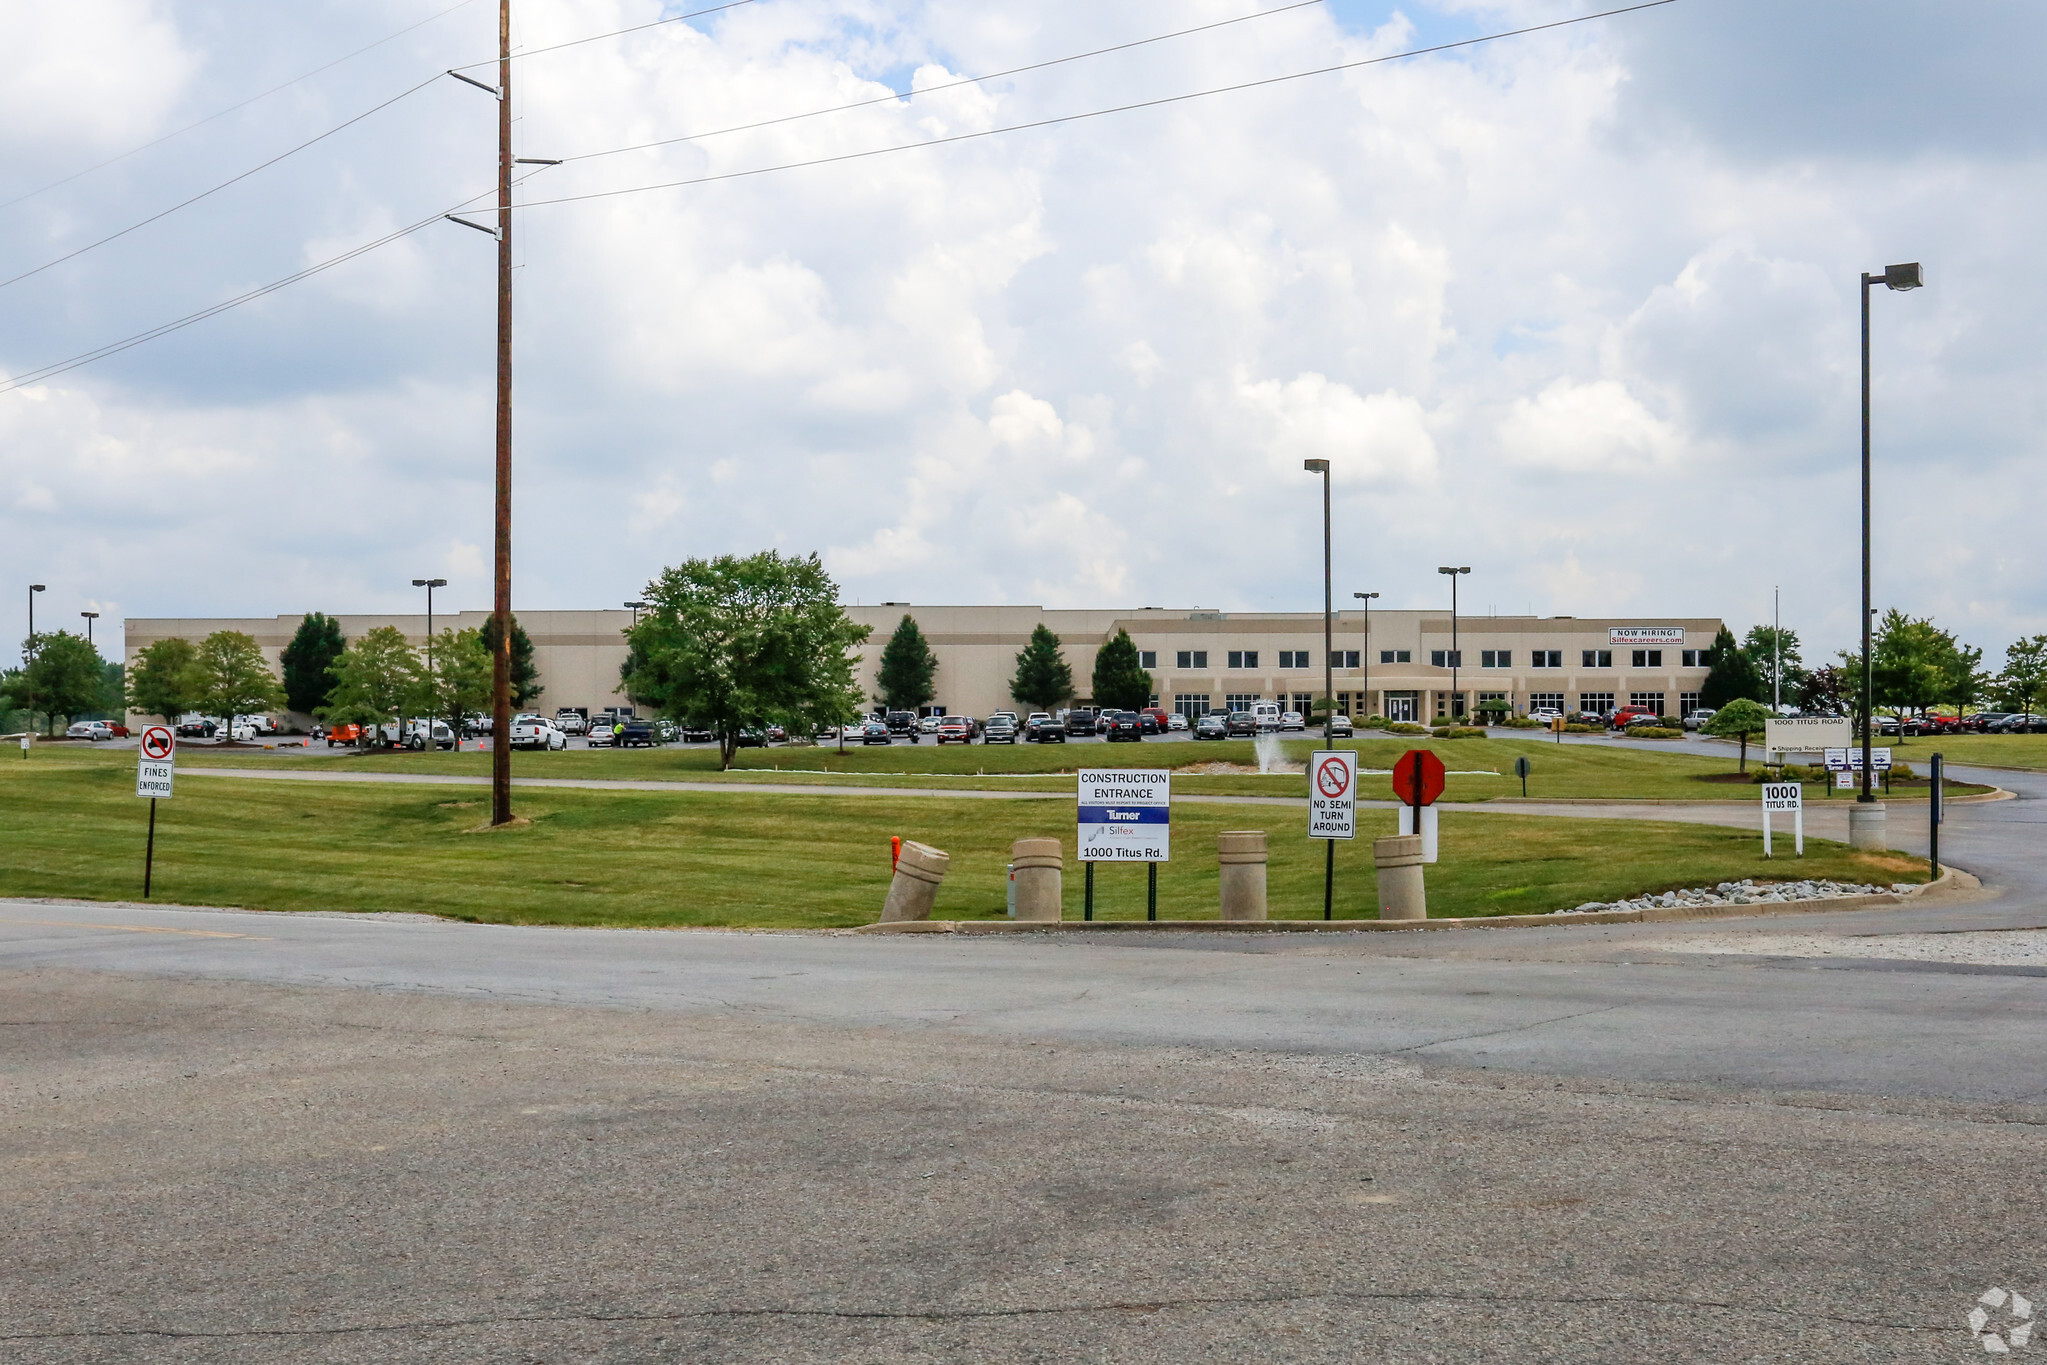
(907, 678)
(308, 662)
(1120, 683)
(165, 680)
(1731, 675)
(1043, 677)
(526, 686)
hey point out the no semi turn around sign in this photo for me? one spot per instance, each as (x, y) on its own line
(1126, 815)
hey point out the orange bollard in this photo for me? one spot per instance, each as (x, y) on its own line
(895, 851)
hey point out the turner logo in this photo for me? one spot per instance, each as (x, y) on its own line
(2002, 1321)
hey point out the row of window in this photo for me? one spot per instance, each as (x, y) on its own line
(1438, 658)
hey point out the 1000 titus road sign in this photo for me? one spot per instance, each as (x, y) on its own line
(1126, 815)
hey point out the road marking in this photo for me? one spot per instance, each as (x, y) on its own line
(137, 929)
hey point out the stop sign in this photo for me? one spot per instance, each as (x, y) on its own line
(1418, 778)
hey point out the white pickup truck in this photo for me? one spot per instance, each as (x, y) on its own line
(537, 732)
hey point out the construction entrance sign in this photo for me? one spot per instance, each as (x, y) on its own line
(1126, 815)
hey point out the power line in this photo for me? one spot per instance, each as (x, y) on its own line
(1092, 113)
(243, 104)
(617, 32)
(187, 203)
(949, 85)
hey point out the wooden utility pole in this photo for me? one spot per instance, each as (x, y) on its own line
(501, 586)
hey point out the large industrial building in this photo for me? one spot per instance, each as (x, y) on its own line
(1199, 660)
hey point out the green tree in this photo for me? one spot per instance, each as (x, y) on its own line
(1826, 691)
(1731, 674)
(373, 680)
(736, 644)
(165, 680)
(1120, 682)
(1043, 677)
(64, 677)
(1740, 719)
(456, 681)
(1915, 664)
(2022, 683)
(113, 689)
(233, 678)
(907, 678)
(1762, 644)
(308, 662)
(526, 685)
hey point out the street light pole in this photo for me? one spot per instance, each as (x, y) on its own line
(1896, 277)
(637, 608)
(1455, 660)
(1328, 611)
(90, 617)
(501, 571)
(28, 647)
(1776, 649)
(1365, 654)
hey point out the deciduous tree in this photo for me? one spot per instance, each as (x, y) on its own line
(1043, 677)
(165, 680)
(456, 681)
(1740, 719)
(64, 677)
(1916, 665)
(2022, 683)
(373, 680)
(737, 644)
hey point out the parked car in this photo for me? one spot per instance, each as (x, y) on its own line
(1292, 720)
(638, 734)
(598, 738)
(1549, 715)
(1161, 720)
(94, 730)
(1122, 725)
(570, 722)
(855, 731)
(664, 729)
(1080, 721)
(1642, 721)
(1015, 722)
(1240, 724)
(197, 728)
(750, 738)
(1266, 714)
(1632, 715)
(928, 725)
(1340, 727)
(954, 728)
(696, 732)
(826, 734)
(902, 723)
(1694, 719)
(1000, 729)
(1045, 730)
(876, 732)
(536, 732)
(262, 725)
(120, 731)
(1176, 721)
(1212, 726)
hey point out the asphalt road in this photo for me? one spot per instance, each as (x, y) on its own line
(242, 1137)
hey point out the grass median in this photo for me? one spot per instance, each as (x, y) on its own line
(1480, 769)
(671, 859)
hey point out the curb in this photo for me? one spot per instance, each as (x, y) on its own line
(1950, 879)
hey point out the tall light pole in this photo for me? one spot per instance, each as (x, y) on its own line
(1328, 612)
(90, 617)
(429, 584)
(1898, 277)
(28, 648)
(1455, 659)
(1776, 649)
(1365, 654)
(637, 608)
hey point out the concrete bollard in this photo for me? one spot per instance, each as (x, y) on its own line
(1039, 879)
(1399, 860)
(919, 870)
(1242, 853)
(1866, 826)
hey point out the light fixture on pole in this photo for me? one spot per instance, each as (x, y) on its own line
(90, 617)
(1776, 649)
(1900, 278)
(1365, 654)
(1456, 697)
(637, 608)
(28, 648)
(430, 584)
(1328, 612)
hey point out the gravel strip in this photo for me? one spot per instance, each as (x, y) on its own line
(1746, 892)
(2008, 948)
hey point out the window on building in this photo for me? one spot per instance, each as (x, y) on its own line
(1243, 658)
(1396, 656)
(1449, 705)
(1553, 700)
(1446, 658)
(1599, 658)
(1694, 658)
(1648, 658)
(1345, 658)
(1546, 658)
(1193, 705)
(1652, 700)
(1153, 704)
(1343, 703)
(1193, 658)
(1496, 658)
(1687, 702)
(1147, 658)
(1599, 703)
(1302, 701)
(1240, 701)
(1294, 658)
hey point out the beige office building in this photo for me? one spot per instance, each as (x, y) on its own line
(1199, 660)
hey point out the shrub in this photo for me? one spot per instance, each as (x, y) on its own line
(1460, 732)
(1654, 732)
(1578, 728)
(1401, 727)
(1521, 723)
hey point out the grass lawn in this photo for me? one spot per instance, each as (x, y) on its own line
(649, 859)
(1480, 769)
(1993, 751)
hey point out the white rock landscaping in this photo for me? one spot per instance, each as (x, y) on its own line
(1746, 892)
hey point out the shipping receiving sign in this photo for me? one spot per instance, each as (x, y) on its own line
(1126, 815)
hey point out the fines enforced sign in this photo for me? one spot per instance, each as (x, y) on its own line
(155, 764)
(1126, 815)
(1332, 794)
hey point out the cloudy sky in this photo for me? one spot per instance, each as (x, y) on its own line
(1576, 308)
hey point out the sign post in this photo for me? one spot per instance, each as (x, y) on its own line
(1332, 811)
(1521, 770)
(1417, 782)
(1934, 815)
(1786, 796)
(155, 767)
(1125, 816)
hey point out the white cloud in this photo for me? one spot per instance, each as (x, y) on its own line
(1375, 439)
(1587, 428)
